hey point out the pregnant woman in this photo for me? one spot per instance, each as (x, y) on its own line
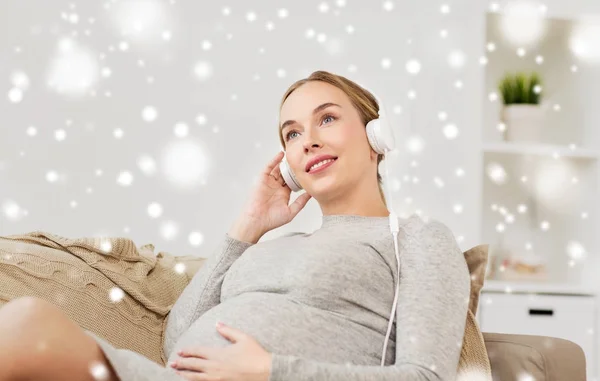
(304, 306)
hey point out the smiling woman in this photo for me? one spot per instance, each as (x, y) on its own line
(303, 306)
(325, 116)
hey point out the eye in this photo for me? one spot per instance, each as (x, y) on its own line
(287, 136)
(328, 116)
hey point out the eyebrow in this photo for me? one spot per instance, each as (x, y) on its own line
(316, 110)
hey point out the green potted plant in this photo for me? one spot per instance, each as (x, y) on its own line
(522, 113)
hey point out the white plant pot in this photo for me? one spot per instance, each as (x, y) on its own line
(523, 122)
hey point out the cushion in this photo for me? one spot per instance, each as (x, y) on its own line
(476, 258)
(474, 364)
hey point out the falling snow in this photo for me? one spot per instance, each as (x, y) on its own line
(126, 112)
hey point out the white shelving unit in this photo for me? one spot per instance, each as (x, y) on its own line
(537, 288)
(541, 198)
(551, 150)
(545, 197)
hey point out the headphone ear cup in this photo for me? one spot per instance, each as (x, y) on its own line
(380, 135)
(288, 176)
(372, 127)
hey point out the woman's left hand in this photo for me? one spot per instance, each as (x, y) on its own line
(244, 360)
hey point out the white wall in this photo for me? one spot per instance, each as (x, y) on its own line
(247, 125)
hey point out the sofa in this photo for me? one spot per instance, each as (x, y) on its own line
(79, 279)
(534, 358)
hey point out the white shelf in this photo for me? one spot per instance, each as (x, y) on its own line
(524, 287)
(540, 149)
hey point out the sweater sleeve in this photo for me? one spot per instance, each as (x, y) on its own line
(204, 290)
(430, 317)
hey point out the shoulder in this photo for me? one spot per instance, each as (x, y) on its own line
(432, 237)
(416, 227)
(429, 245)
(287, 235)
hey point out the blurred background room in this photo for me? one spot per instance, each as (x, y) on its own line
(151, 119)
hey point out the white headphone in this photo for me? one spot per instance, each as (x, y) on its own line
(381, 139)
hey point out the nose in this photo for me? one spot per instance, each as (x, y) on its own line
(311, 140)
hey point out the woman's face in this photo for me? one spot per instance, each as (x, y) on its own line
(318, 119)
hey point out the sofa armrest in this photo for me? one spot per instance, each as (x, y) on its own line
(514, 357)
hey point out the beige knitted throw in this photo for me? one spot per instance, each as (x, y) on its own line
(124, 293)
(107, 285)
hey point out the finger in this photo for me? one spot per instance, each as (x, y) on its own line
(299, 203)
(197, 351)
(192, 376)
(278, 179)
(273, 163)
(276, 172)
(230, 333)
(191, 363)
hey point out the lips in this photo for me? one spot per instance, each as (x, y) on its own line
(317, 160)
(322, 167)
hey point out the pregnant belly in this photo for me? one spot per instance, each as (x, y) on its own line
(287, 327)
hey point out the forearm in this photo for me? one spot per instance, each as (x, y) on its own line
(204, 290)
(207, 284)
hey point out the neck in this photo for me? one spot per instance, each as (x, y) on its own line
(361, 200)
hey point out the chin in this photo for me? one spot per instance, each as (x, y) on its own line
(325, 183)
(322, 188)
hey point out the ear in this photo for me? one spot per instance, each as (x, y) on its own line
(374, 155)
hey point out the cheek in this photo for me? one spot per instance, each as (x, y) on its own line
(340, 137)
(294, 160)
(354, 139)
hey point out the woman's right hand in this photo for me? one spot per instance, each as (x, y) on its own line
(268, 206)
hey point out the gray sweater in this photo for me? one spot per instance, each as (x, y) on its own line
(320, 303)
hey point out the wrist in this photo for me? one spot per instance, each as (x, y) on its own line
(244, 231)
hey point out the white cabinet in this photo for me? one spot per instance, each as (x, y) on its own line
(570, 317)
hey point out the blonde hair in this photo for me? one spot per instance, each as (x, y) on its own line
(363, 101)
